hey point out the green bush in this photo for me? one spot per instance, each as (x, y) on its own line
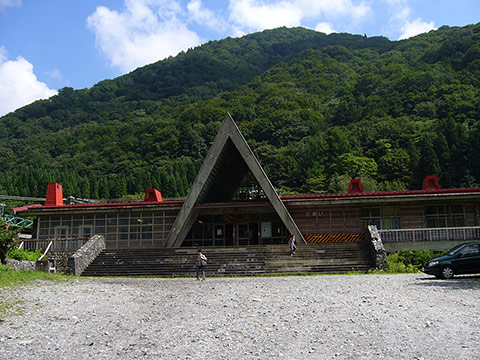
(22, 254)
(409, 261)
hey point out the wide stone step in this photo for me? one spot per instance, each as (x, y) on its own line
(239, 260)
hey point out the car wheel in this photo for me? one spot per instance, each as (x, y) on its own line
(447, 272)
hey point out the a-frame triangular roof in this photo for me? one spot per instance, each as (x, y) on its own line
(205, 188)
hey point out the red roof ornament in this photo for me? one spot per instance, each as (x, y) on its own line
(54, 195)
(153, 195)
(430, 183)
(355, 186)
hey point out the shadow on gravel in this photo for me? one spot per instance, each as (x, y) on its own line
(457, 283)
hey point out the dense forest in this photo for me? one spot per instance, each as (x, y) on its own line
(317, 110)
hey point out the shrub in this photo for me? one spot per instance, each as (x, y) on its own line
(409, 261)
(8, 235)
(22, 254)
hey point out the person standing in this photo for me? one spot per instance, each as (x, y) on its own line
(201, 262)
(293, 246)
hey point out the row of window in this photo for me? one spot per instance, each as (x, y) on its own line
(117, 227)
(388, 217)
(214, 230)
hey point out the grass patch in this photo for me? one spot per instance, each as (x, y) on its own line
(11, 277)
(14, 305)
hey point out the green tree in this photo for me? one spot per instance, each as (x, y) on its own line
(356, 166)
(8, 234)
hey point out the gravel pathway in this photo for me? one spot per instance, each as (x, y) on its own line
(316, 317)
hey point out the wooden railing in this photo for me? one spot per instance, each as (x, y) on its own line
(57, 244)
(431, 234)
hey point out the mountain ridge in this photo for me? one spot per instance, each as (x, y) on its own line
(305, 101)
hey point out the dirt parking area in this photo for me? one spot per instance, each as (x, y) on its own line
(312, 317)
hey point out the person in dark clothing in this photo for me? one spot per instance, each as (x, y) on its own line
(293, 246)
(201, 262)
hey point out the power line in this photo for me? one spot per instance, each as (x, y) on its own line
(12, 197)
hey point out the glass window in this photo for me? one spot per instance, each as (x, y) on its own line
(249, 189)
(365, 213)
(112, 219)
(469, 250)
(431, 210)
(374, 212)
(457, 209)
(100, 230)
(396, 224)
(208, 231)
(146, 235)
(385, 218)
(219, 231)
(85, 231)
(43, 223)
(444, 216)
(375, 222)
(243, 230)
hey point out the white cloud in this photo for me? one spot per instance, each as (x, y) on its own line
(9, 3)
(325, 27)
(55, 74)
(204, 16)
(400, 15)
(416, 27)
(334, 8)
(18, 84)
(144, 32)
(257, 15)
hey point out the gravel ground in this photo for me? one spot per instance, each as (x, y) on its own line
(316, 317)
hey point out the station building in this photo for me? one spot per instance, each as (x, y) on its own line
(233, 203)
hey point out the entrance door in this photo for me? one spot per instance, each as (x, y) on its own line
(242, 234)
(247, 234)
(229, 234)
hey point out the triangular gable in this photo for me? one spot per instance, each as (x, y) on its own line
(229, 135)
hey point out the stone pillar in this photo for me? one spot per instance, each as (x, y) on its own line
(376, 248)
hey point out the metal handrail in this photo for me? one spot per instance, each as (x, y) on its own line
(46, 251)
(55, 244)
(463, 233)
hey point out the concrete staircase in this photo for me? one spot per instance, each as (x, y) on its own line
(240, 260)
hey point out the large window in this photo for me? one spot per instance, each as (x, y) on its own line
(444, 216)
(249, 189)
(385, 218)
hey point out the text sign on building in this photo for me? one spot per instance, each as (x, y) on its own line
(266, 229)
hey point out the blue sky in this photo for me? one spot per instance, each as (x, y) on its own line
(48, 44)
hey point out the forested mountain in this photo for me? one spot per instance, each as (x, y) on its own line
(317, 110)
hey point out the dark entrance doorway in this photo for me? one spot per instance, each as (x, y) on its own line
(239, 230)
(247, 234)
